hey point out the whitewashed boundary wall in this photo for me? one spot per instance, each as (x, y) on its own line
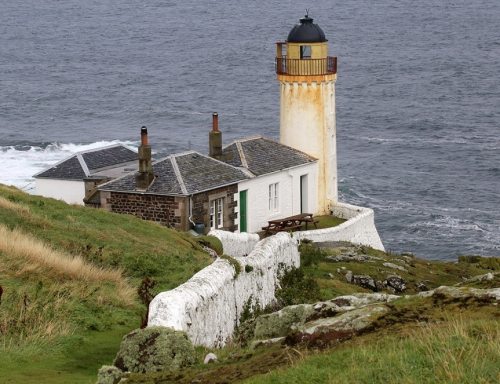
(358, 229)
(236, 244)
(209, 305)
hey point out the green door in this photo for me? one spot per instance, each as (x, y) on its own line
(243, 211)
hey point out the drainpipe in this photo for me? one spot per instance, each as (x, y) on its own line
(190, 218)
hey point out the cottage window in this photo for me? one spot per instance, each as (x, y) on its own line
(217, 213)
(274, 197)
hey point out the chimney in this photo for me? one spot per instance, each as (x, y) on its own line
(215, 138)
(145, 175)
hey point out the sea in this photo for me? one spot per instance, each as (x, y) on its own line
(417, 96)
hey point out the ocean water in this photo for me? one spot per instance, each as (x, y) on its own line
(418, 96)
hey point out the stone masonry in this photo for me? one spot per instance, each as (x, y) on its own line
(166, 210)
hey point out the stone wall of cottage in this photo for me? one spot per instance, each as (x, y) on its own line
(201, 207)
(166, 210)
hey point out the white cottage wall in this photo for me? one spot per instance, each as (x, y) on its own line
(209, 305)
(258, 212)
(70, 191)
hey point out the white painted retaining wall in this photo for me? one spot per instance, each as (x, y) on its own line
(236, 244)
(208, 306)
(358, 229)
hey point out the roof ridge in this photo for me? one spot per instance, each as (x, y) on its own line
(177, 172)
(248, 138)
(241, 153)
(83, 164)
(101, 148)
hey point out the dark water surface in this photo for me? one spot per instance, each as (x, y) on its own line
(418, 96)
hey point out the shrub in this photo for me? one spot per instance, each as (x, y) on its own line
(296, 288)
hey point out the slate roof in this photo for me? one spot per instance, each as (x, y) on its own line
(86, 163)
(181, 174)
(261, 156)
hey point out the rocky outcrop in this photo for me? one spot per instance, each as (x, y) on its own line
(297, 317)
(451, 293)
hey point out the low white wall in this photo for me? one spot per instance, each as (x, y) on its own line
(70, 191)
(208, 306)
(236, 244)
(358, 229)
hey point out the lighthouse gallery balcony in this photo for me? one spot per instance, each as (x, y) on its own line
(305, 67)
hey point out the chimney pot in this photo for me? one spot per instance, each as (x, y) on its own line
(215, 122)
(144, 135)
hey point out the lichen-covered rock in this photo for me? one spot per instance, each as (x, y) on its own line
(445, 292)
(364, 281)
(279, 323)
(324, 332)
(154, 349)
(396, 282)
(109, 374)
(395, 266)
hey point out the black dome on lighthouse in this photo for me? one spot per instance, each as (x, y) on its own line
(306, 32)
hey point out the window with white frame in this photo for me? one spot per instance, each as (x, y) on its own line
(274, 197)
(217, 213)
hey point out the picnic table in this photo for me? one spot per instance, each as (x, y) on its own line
(290, 223)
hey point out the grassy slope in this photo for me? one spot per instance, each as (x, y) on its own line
(56, 328)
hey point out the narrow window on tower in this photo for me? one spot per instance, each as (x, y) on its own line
(305, 51)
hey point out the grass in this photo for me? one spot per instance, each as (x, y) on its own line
(457, 351)
(69, 276)
(327, 221)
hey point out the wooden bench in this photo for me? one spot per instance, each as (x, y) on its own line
(291, 223)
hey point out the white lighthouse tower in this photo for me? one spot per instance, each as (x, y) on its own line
(307, 78)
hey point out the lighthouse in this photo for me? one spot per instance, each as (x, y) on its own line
(307, 78)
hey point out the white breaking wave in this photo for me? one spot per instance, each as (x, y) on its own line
(19, 164)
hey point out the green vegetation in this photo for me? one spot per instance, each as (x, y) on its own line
(234, 263)
(456, 351)
(326, 221)
(70, 276)
(75, 280)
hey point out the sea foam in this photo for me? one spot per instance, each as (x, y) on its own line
(21, 162)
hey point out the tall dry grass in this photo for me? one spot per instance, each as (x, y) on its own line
(39, 256)
(11, 206)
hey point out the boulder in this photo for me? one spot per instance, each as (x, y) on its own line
(109, 374)
(210, 358)
(348, 276)
(154, 349)
(364, 281)
(396, 282)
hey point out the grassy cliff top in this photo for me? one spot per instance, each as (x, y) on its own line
(70, 276)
